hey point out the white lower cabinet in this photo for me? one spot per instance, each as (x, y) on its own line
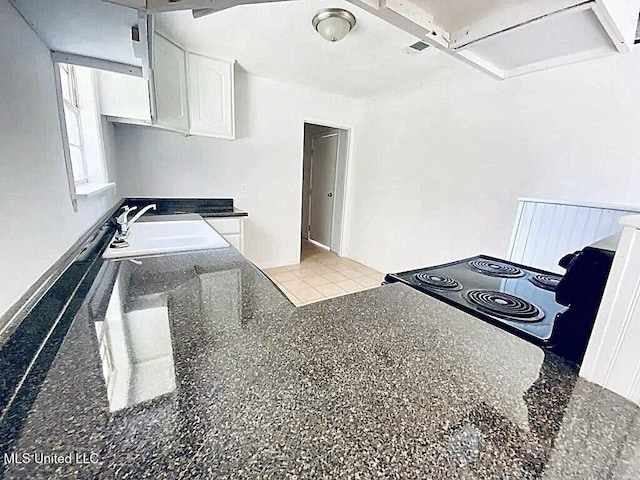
(236, 241)
(231, 229)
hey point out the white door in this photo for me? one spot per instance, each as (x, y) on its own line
(324, 155)
(210, 96)
(170, 85)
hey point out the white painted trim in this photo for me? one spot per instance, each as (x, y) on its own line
(411, 11)
(151, 46)
(339, 182)
(144, 22)
(276, 263)
(611, 28)
(130, 3)
(104, 165)
(625, 322)
(634, 392)
(65, 137)
(612, 359)
(430, 33)
(572, 203)
(478, 63)
(318, 244)
(87, 190)
(516, 227)
(61, 57)
(631, 221)
(130, 121)
(348, 197)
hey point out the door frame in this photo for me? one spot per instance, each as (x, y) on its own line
(346, 181)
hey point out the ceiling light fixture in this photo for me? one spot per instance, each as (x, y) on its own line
(333, 24)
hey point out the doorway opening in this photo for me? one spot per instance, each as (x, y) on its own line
(323, 187)
(323, 272)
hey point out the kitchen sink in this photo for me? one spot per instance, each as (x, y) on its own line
(158, 236)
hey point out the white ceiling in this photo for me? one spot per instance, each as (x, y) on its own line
(92, 28)
(452, 15)
(277, 40)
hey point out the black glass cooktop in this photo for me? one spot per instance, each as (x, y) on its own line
(514, 297)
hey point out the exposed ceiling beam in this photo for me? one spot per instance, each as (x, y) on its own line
(220, 5)
(138, 4)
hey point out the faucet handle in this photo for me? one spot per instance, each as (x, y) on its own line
(124, 216)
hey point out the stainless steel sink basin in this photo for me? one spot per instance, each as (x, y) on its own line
(155, 237)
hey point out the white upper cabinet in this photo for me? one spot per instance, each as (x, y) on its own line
(124, 98)
(170, 85)
(211, 97)
(187, 93)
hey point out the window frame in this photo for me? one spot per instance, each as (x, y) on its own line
(86, 189)
(73, 105)
(65, 137)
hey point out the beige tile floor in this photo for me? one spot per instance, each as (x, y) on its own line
(322, 274)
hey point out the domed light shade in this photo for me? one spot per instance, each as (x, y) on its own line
(333, 24)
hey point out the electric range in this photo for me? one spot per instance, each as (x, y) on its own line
(514, 297)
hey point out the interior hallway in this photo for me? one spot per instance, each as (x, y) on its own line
(322, 274)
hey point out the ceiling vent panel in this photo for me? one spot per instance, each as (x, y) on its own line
(416, 48)
(569, 36)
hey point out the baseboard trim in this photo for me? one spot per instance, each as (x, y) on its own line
(276, 263)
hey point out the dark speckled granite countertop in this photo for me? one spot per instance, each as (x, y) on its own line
(195, 366)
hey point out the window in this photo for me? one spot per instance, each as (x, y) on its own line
(73, 122)
(81, 121)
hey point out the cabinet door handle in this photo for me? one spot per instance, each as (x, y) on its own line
(329, 194)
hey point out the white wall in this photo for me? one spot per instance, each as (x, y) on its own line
(438, 170)
(266, 156)
(435, 172)
(38, 221)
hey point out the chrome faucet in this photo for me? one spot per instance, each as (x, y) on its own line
(123, 219)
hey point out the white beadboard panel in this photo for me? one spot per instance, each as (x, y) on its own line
(545, 231)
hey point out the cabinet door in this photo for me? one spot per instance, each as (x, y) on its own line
(170, 85)
(230, 229)
(125, 98)
(236, 241)
(226, 226)
(211, 102)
